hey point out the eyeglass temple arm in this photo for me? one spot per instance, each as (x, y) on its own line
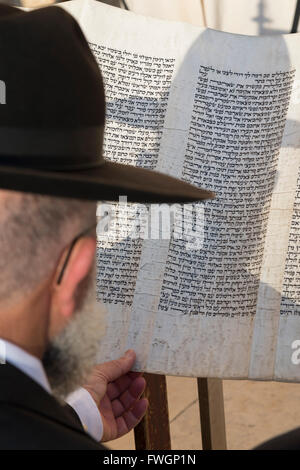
(84, 232)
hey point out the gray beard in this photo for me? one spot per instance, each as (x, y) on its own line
(70, 356)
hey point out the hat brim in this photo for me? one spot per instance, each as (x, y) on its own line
(105, 182)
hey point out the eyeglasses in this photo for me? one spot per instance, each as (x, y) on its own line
(73, 243)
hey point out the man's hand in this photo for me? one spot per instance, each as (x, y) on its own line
(117, 393)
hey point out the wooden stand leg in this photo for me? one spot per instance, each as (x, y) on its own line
(153, 432)
(212, 416)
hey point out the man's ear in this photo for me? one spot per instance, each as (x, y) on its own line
(78, 267)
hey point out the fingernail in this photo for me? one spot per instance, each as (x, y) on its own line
(129, 353)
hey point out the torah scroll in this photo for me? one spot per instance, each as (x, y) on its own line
(221, 111)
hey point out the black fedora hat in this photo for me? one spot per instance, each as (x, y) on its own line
(52, 122)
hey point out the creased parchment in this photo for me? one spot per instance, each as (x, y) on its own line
(221, 111)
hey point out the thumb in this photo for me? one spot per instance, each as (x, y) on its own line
(112, 370)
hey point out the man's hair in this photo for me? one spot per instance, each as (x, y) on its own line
(34, 230)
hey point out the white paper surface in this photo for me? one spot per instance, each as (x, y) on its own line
(222, 111)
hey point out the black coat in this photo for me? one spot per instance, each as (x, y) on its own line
(287, 441)
(31, 418)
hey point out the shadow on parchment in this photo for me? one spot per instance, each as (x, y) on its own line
(265, 22)
(202, 271)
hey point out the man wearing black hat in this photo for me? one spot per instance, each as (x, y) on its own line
(51, 174)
